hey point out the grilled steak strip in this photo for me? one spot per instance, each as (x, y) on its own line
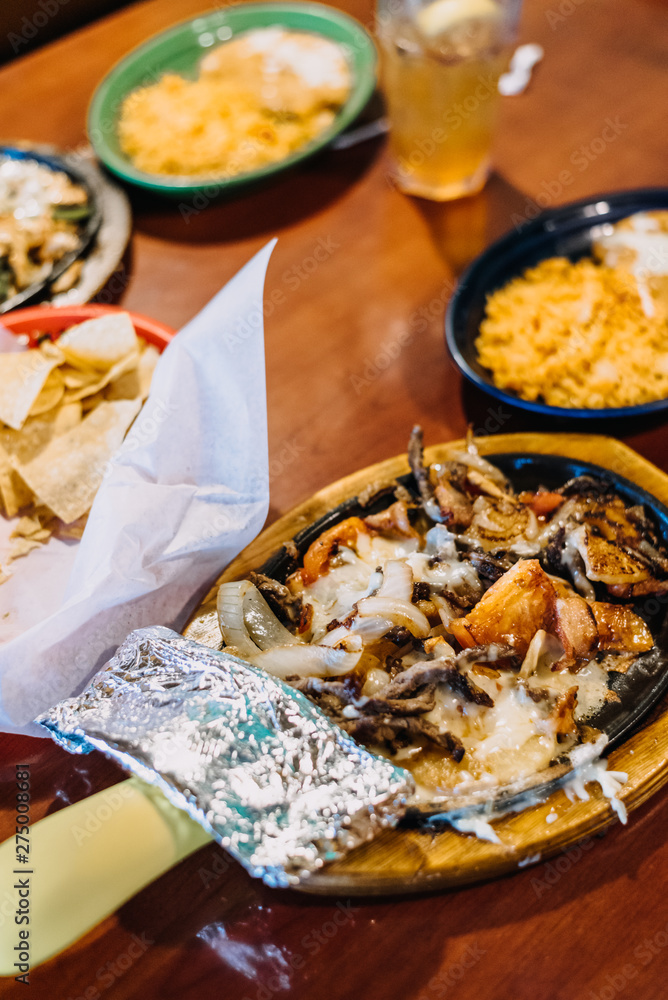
(416, 462)
(397, 731)
(489, 567)
(421, 592)
(427, 674)
(399, 636)
(330, 694)
(423, 702)
(413, 678)
(464, 687)
(502, 657)
(455, 507)
(284, 604)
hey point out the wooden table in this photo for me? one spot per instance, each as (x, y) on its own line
(589, 926)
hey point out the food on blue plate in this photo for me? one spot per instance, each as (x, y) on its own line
(41, 211)
(639, 245)
(258, 97)
(576, 335)
(65, 407)
(589, 334)
(469, 632)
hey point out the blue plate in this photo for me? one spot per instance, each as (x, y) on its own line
(563, 232)
(87, 230)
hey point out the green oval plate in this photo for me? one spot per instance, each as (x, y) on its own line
(179, 50)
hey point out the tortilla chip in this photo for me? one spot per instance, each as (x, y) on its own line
(73, 530)
(36, 432)
(90, 402)
(100, 343)
(27, 526)
(127, 386)
(21, 547)
(68, 415)
(51, 351)
(38, 525)
(50, 395)
(126, 364)
(14, 494)
(3, 576)
(65, 408)
(22, 377)
(147, 362)
(68, 473)
(78, 378)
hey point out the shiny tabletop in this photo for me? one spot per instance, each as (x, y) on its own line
(354, 304)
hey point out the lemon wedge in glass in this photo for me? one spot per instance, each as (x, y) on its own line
(440, 16)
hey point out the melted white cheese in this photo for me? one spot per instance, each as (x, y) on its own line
(472, 824)
(510, 740)
(451, 575)
(648, 246)
(591, 682)
(531, 859)
(610, 782)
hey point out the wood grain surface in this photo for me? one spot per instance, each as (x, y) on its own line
(355, 356)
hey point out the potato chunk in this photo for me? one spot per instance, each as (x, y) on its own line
(620, 630)
(575, 626)
(514, 608)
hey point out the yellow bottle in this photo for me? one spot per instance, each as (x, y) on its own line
(84, 862)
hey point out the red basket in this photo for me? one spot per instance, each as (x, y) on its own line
(54, 320)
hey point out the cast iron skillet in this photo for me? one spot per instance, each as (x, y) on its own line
(568, 231)
(87, 229)
(639, 689)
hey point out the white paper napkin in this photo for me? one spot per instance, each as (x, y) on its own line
(187, 491)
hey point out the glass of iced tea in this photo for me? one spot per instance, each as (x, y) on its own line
(441, 62)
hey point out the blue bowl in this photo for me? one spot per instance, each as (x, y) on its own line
(568, 231)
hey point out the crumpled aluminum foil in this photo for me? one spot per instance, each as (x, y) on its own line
(277, 784)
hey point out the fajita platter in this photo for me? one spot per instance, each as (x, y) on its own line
(415, 857)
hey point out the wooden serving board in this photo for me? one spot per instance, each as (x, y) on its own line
(402, 861)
